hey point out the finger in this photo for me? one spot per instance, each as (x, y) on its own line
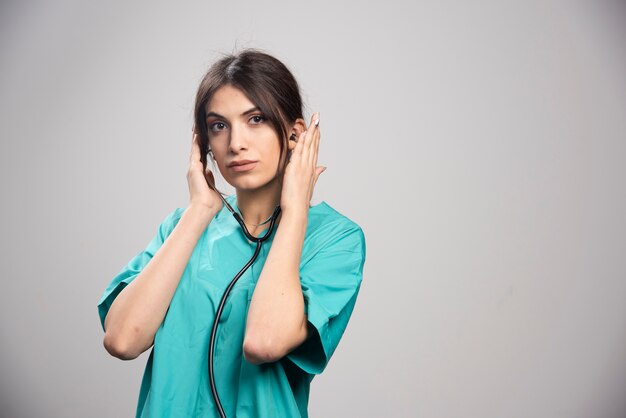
(297, 150)
(312, 129)
(306, 145)
(315, 144)
(307, 134)
(195, 150)
(312, 141)
(193, 143)
(318, 171)
(210, 178)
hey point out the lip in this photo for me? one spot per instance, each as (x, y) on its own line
(238, 167)
(240, 162)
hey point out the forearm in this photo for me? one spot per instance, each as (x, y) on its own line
(139, 309)
(276, 322)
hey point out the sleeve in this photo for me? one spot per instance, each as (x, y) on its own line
(136, 265)
(330, 282)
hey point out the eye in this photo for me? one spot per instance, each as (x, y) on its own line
(217, 126)
(256, 119)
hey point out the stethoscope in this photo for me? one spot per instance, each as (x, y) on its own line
(259, 241)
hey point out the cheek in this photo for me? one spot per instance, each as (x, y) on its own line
(218, 159)
(276, 157)
(270, 148)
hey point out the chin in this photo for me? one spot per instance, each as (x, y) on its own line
(249, 183)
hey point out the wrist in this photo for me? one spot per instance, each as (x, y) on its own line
(295, 212)
(294, 206)
(201, 213)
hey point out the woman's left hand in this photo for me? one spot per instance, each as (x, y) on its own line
(302, 171)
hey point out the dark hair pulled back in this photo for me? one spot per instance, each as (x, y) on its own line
(267, 83)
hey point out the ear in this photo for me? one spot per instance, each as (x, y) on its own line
(296, 129)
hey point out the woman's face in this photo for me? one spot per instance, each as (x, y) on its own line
(238, 131)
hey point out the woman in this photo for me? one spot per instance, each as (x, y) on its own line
(282, 319)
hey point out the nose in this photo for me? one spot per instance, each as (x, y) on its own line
(238, 139)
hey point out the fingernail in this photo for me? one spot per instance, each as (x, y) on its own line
(317, 121)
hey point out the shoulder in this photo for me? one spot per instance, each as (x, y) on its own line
(328, 227)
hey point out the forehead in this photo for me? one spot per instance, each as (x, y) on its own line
(228, 100)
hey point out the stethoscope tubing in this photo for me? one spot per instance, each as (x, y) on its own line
(259, 241)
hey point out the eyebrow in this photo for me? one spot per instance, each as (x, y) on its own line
(217, 115)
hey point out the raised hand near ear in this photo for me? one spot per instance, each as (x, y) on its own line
(302, 172)
(201, 184)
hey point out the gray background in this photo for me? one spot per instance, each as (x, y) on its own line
(480, 146)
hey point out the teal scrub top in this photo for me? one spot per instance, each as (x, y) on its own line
(176, 381)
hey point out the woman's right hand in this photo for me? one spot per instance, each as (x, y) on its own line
(201, 184)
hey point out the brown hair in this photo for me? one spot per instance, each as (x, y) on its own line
(266, 82)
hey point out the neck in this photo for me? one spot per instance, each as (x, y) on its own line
(259, 204)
